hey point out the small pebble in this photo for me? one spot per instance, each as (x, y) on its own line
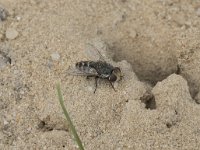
(198, 12)
(18, 18)
(55, 56)
(11, 33)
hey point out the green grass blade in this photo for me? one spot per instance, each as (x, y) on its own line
(72, 128)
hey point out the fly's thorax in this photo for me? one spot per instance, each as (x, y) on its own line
(103, 68)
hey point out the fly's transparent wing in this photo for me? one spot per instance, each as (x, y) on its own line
(96, 51)
(76, 72)
(93, 53)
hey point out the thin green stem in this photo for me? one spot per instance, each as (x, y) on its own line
(72, 128)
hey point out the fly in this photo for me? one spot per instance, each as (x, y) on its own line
(99, 69)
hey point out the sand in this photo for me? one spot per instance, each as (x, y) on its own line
(155, 43)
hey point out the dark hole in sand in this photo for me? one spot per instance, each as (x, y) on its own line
(44, 126)
(149, 100)
(150, 62)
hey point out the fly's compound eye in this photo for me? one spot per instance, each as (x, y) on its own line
(117, 72)
(112, 77)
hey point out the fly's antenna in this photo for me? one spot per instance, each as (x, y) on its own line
(98, 51)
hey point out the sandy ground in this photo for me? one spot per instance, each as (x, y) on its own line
(156, 43)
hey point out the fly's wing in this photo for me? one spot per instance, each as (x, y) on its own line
(76, 72)
(96, 51)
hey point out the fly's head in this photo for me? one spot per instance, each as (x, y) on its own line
(116, 75)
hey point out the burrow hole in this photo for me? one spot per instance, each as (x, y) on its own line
(151, 64)
(149, 100)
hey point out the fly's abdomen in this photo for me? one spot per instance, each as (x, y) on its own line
(86, 67)
(83, 65)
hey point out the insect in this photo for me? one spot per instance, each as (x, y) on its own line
(99, 69)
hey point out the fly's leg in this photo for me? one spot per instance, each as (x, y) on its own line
(96, 79)
(112, 86)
